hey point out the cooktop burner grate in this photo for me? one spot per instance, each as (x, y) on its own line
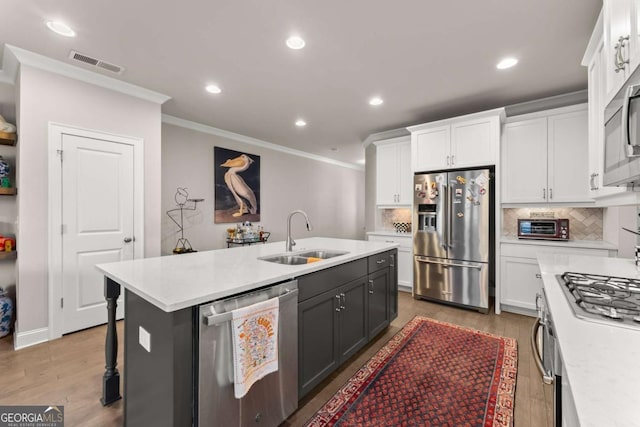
(613, 300)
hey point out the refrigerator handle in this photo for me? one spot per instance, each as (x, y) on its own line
(449, 218)
(445, 220)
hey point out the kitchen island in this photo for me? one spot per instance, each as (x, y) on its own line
(162, 296)
(600, 361)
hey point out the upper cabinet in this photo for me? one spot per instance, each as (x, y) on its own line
(594, 59)
(545, 157)
(393, 172)
(621, 43)
(460, 142)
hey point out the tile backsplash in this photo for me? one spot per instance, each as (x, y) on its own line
(584, 223)
(389, 216)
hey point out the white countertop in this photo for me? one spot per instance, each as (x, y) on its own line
(601, 362)
(178, 281)
(589, 244)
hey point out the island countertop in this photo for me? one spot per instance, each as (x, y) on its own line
(600, 360)
(179, 281)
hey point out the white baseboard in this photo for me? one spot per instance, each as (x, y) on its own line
(405, 288)
(27, 339)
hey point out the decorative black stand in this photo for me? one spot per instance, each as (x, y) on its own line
(182, 198)
(111, 378)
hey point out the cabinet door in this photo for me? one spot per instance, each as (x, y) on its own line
(617, 24)
(474, 143)
(318, 352)
(378, 288)
(520, 282)
(431, 149)
(405, 267)
(524, 162)
(352, 331)
(404, 173)
(386, 175)
(393, 286)
(568, 161)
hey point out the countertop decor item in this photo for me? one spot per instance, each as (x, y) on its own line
(184, 204)
(462, 376)
(402, 227)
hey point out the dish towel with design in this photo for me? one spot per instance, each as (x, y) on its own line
(255, 344)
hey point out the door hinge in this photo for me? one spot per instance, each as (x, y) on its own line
(61, 302)
(59, 152)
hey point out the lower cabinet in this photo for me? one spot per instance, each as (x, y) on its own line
(520, 278)
(340, 310)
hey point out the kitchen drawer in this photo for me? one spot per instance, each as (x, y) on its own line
(532, 251)
(321, 281)
(379, 261)
(405, 242)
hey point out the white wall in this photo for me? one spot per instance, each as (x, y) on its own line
(44, 97)
(332, 196)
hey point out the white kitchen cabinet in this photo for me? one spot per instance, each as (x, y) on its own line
(545, 157)
(618, 62)
(460, 142)
(393, 172)
(405, 256)
(520, 278)
(594, 59)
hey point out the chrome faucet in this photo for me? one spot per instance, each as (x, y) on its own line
(290, 242)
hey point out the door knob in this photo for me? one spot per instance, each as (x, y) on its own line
(128, 239)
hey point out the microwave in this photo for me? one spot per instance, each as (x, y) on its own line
(622, 135)
(544, 228)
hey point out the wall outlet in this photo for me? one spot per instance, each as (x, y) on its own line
(144, 338)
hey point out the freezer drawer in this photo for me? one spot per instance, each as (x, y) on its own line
(457, 282)
(270, 400)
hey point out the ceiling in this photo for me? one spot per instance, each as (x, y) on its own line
(427, 59)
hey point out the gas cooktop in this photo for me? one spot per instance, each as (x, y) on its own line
(604, 299)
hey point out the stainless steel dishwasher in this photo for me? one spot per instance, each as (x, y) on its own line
(270, 400)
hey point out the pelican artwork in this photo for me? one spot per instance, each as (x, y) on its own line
(240, 190)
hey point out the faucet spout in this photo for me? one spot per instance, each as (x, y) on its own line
(290, 242)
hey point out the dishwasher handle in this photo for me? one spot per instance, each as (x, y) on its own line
(216, 319)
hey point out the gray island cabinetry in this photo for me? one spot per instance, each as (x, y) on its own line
(343, 302)
(339, 311)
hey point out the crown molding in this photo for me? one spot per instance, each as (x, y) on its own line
(14, 57)
(199, 127)
(387, 134)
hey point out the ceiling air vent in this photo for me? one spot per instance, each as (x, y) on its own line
(77, 56)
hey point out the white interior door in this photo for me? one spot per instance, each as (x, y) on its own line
(97, 223)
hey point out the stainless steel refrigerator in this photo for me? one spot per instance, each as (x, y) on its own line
(453, 240)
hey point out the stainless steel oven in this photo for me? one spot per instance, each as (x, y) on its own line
(546, 354)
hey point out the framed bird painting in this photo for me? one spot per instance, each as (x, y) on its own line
(237, 186)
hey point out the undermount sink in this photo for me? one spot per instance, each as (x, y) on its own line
(305, 257)
(321, 253)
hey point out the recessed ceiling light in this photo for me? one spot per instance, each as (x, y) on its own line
(60, 28)
(506, 63)
(300, 123)
(376, 100)
(213, 89)
(295, 42)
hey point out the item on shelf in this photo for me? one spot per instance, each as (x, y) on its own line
(6, 313)
(402, 227)
(6, 127)
(5, 182)
(7, 244)
(182, 198)
(5, 168)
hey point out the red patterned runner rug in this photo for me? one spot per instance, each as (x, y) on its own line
(430, 373)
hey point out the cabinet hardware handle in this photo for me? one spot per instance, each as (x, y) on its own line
(597, 181)
(393, 260)
(453, 160)
(344, 302)
(371, 286)
(619, 60)
(551, 193)
(448, 160)
(544, 194)
(339, 305)
(538, 276)
(380, 261)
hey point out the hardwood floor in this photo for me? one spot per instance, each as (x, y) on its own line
(69, 371)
